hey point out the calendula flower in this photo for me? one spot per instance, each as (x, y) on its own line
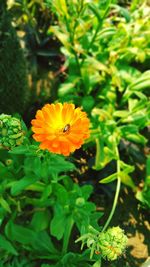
(60, 128)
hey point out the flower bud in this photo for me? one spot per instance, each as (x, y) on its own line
(80, 201)
(11, 133)
(112, 243)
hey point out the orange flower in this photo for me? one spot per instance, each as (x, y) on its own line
(61, 128)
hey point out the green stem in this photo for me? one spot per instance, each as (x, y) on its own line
(116, 194)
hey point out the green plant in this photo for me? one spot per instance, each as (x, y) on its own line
(106, 49)
(13, 70)
(103, 43)
(40, 205)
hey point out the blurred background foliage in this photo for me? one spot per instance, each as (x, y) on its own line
(95, 54)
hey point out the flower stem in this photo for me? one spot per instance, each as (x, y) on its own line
(116, 194)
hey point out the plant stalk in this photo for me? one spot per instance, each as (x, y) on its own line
(116, 194)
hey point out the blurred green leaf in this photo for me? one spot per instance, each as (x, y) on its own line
(109, 178)
(40, 220)
(26, 181)
(58, 221)
(7, 246)
(19, 233)
(5, 204)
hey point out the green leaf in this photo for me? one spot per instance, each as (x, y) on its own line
(127, 180)
(121, 113)
(66, 88)
(61, 193)
(58, 164)
(40, 220)
(7, 246)
(58, 222)
(19, 233)
(109, 179)
(46, 192)
(19, 186)
(5, 204)
(20, 150)
(43, 244)
(136, 138)
(88, 103)
(96, 264)
(126, 168)
(4, 172)
(86, 191)
(130, 132)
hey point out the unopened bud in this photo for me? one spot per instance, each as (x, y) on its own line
(11, 133)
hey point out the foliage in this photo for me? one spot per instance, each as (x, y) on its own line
(103, 43)
(13, 77)
(105, 51)
(38, 198)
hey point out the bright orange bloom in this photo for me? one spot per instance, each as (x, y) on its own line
(61, 128)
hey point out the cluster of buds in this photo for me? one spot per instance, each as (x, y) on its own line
(112, 243)
(109, 244)
(11, 133)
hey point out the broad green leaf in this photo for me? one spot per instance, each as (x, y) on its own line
(44, 245)
(88, 103)
(19, 186)
(86, 191)
(58, 164)
(40, 220)
(19, 233)
(5, 173)
(58, 222)
(7, 246)
(61, 193)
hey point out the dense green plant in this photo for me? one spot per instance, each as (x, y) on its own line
(40, 205)
(13, 70)
(103, 44)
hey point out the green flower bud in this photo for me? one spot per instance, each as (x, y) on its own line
(9, 162)
(80, 201)
(11, 133)
(112, 243)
